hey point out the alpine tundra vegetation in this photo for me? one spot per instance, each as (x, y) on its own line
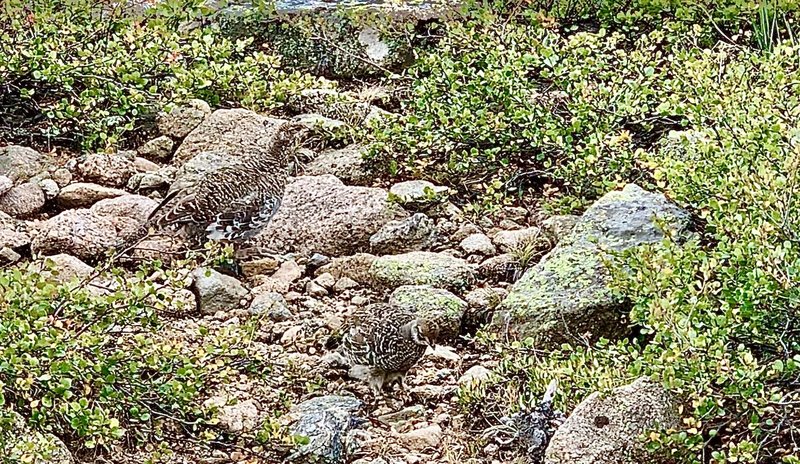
(570, 229)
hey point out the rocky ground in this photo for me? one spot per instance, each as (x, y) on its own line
(348, 241)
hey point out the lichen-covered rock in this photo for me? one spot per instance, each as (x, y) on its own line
(434, 303)
(66, 268)
(567, 291)
(81, 195)
(216, 291)
(414, 233)
(327, 423)
(23, 200)
(160, 148)
(422, 268)
(231, 132)
(20, 163)
(345, 163)
(108, 170)
(320, 214)
(605, 429)
(417, 192)
(20, 443)
(181, 120)
(78, 232)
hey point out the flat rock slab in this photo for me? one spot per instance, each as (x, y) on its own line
(319, 214)
(566, 296)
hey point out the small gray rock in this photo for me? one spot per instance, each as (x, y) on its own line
(216, 291)
(5, 185)
(273, 304)
(475, 374)
(478, 244)
(20, 163)
(411, 234)
(80, 195)
(316, 290)
(417, 191)
(344, 284)
(24, 443)
(326, 422)
(62, 176)
(50, 188)
(78, 232)
(325, 280)
(160, 148)
(508, 240)
(346, 163)
(7, 255)
(317, 260)
(108, 170)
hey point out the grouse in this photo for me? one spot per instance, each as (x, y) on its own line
(235, 202)
(382, 342)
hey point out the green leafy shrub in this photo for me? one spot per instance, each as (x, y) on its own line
(92, 363)
(719, 317)
(83, 72)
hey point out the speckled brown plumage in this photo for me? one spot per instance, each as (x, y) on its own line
(382, 342)
(234, 202)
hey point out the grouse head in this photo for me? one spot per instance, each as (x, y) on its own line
(421, 331)
(288, 138)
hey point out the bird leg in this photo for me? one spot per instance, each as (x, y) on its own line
(375, 382)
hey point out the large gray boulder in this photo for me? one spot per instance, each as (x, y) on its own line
(320, 214)
(422, 268)
(127, 212)
(327, 422)
(232, 132)
(567, 293)
(605, 429)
